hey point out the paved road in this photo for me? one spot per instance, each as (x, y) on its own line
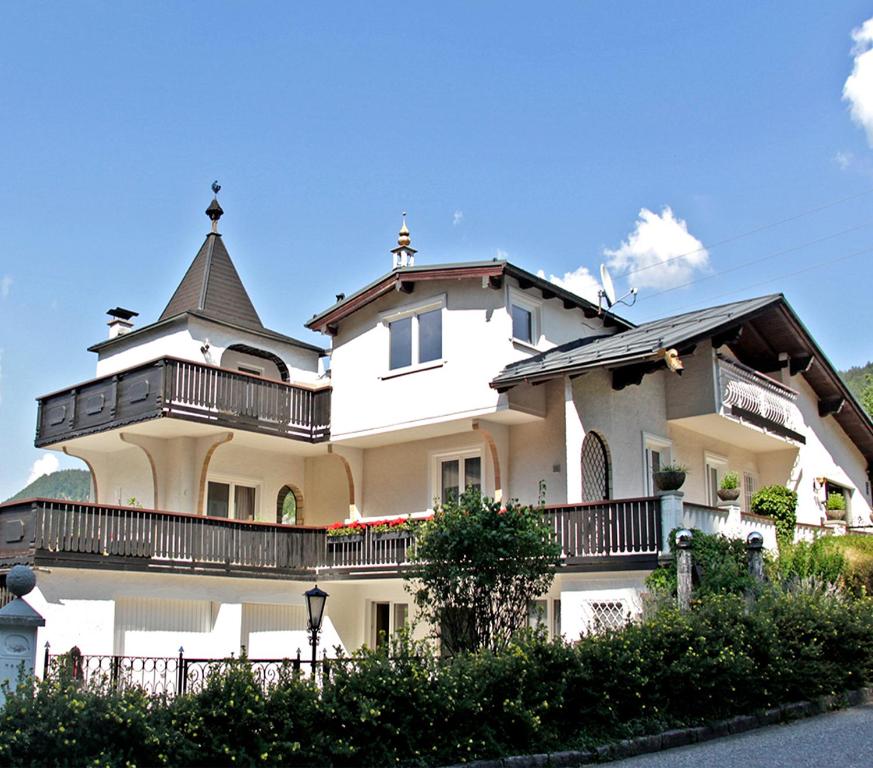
(841, 739)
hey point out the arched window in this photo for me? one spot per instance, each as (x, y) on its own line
(595, 468)
(289, 506)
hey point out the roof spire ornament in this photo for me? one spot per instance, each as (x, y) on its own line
(214, 211)
(404, 254)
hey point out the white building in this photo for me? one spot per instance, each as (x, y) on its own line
(220, 450)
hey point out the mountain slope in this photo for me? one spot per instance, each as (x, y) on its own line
(72, 484)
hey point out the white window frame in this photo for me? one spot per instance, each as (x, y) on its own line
(393, 605)
(413, 310)
(462, 454)
(233, 481)
(748, 493)
(720, 464)
(516, 297)
(652, 442)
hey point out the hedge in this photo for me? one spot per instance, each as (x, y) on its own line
(721, 659)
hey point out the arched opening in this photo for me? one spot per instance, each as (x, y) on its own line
(266, 364)
(289, 506)
(595, 468)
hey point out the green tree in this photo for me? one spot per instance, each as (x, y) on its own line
(477, 566)
(867, 394)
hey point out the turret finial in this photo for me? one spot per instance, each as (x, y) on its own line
(214, 211)
(404, 254)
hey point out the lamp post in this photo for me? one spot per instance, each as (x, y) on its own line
(315, 602)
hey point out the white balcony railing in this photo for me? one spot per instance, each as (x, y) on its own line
(753, 397)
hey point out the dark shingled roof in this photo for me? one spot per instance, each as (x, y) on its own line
(627, 346)
(212, 286)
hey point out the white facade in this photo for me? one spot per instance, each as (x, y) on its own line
(398, 434)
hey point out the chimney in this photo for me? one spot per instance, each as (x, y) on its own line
(120, 321)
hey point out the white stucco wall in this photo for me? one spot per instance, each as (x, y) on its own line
(477, 344)
(828, 453)
(621, 417)
(185, 340)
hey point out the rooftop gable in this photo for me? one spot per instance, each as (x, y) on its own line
(404, 279)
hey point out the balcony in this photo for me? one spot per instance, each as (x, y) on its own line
(608, 535)
(724, 400)
(759, 400)
(184, 390)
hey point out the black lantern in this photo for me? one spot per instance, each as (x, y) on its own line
(315, 601)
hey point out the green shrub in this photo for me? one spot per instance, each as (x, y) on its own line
(720, 565)
(816, 561)
(405, 706)
(857, 550)
(730, 481)
(780, 503)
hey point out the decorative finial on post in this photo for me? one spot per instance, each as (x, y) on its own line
(683, 568)
(214, 211)
(404, 254)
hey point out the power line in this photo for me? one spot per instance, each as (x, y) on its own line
(749, 233)
(785, 276)
(758, 260)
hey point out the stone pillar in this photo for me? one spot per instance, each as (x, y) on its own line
(734, 522)
(755, 551)
(18, 625)
(672, 517)
(683, 568)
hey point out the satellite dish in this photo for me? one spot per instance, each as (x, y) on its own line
(608, 291)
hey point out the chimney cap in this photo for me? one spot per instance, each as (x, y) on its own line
(120, 313)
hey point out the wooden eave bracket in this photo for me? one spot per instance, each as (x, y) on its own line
(800, 364)
(730, 337)
(632, 375)
(831, 406)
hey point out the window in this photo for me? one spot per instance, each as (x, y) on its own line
(750, 488)
(250, 370)
(457, 474)
(289, 506)
(607, 614)
(536, 613)
(716, 466)
(415, 335)
(525, 313)
(522, 324)
(231, 500)
(556, 618)
(595, 468)
(656, 454)
(385, 619)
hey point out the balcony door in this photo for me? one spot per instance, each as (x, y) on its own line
(595, 468)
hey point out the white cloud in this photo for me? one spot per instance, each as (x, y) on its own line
(457, 218)
(844, 159)
(580, 281)
(502, 255)
(660, 252)
(44, 465)
(5, 285)
(858, 88)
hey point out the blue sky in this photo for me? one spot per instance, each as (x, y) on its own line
(560, 136)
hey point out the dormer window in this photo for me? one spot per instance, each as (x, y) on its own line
(525, 315)
(415, 334)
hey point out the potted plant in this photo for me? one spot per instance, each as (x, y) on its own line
(730, 487)
(835, 506)
(670, 477)
(342, 533)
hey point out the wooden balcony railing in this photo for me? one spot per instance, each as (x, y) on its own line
(185, 390)
(45, 532)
